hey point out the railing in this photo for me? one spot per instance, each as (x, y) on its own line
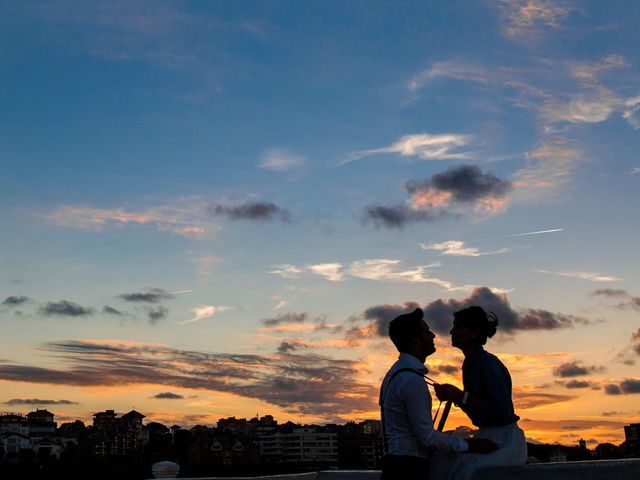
(626, 469)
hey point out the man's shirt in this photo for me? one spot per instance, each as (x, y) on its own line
(407, 413)
(488, 380)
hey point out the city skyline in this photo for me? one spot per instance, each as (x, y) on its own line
(214, 209)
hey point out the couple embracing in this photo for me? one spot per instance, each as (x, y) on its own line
(414, 449)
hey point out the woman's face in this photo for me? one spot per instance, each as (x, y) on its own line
(462, 336)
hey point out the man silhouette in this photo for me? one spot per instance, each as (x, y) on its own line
(405, 406)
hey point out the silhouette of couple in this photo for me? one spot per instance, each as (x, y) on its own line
(414, 449)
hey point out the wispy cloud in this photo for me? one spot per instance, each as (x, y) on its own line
(451, 69)
(38, 402)
(458, 248)
(548, 167)
(204, 311)
(186, 217)
(330, 271)
(380, 270)
(591, 276)
(425, 146)
(280, 160)
(287, 271)
(300, 384)
(524, 18)
(634, 171)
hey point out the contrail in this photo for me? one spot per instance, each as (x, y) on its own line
(531, 233)
(182, 291)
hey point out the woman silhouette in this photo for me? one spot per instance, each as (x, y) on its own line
(486, 398)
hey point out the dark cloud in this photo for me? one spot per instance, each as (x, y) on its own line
(531, 399)
(630, 302)
(287, 346)
(251, 211)
(578, 384)
(155, 314)
(635, 341)
(439, 314)
(112, 311)
(300, 384)
(612, 389)
(630, 385)
(38, 401)
(432, 197)
(465, 184)
(154, 295)
(167, 396)
(575, 369)
(610, 292)
(449, 369)
(399, 216)
(285, 318)
(65, 308)
(15, 300)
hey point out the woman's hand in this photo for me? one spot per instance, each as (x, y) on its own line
(446, 392)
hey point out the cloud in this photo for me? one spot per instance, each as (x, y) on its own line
(155, 314)
(463, 183)
(424, 146)
(449, 69)
(524, 397)
(186, 216)
(330, 271)
(38, 402)
(287, 271)
(15, 300)
(204, 311)
(575, 369)
(153, 295)
(288, 346)
(167, 396)
(258, 211)
(429, 199)
(578, 384)
(548, 167)
(400, 215)
(634, 171)
(280, 160)
(439, 314)
(64, 308)
(286, 318)
(526, 18)
(112, 311)
(299, 384)
(629, 302)
(458, 248)
(628, 386)
(591, 276)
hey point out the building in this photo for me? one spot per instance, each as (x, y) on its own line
(632, 439)
(309, 445)
(41, 424)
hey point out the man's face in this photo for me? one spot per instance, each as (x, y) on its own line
(424, 341)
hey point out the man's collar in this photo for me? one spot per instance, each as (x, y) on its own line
(410, 361)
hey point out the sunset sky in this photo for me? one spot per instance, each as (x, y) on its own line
(214, 208)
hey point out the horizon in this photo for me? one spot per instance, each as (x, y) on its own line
(214, 209)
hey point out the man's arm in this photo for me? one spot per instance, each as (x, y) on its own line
(418, 403)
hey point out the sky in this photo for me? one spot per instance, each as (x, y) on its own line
(215, 208)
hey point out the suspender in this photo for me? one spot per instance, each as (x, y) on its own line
(383, 395)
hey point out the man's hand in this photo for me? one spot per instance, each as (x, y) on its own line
(446, 392)
(481, 445)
